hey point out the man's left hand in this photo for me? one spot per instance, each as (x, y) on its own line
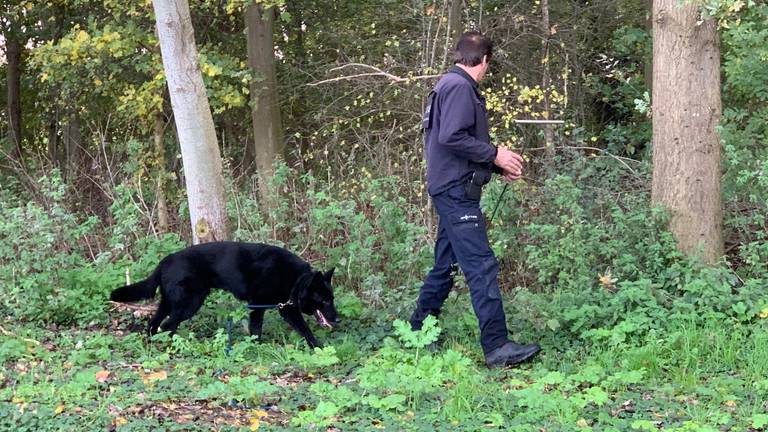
(509, 176)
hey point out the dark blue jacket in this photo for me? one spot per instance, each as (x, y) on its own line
(456, 128)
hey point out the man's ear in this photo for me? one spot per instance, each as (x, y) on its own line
(328, 275)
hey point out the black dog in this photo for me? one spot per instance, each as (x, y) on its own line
(257, 273)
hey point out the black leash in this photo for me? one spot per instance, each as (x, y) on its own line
(278, 306)
(269, 306)
(498, 201)
(503, 191)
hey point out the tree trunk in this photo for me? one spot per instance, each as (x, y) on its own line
(549, 135)
(194, 123)
(686, 111)
(229, 145)
(648, 57)
(162, 203)
(265, 112)
(13, 50)
(53, 138)
(454, 20)
(73, 148)
(298, 109)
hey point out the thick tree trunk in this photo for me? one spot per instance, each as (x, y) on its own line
(194, 123)
(13, 50)
(454, 20)
(265, 112)
(686, 111)
(159, 143)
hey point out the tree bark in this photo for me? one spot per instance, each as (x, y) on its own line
(53, 138)
(162, 203)
(194, 123)
(648, 57)
(686, 111)
(549, 135)
(13, 51)
(265, 112)
(298, 107)
(455, 20)
(73, 147)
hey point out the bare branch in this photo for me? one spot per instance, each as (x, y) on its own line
(377, 72)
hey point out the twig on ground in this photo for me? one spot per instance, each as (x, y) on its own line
(133, 306)
(7, 333)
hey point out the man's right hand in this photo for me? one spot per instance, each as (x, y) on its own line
(510, 162)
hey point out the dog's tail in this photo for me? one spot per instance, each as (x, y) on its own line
(139, 291)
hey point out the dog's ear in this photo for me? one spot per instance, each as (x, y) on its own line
(301, 288)
(328, 275)
(317, 280)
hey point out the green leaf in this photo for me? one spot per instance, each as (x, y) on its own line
(759, 421)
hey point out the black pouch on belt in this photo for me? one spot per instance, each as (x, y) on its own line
(479, 177)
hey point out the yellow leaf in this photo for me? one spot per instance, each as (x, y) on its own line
(59, 409)
(155, 376)
(259, 413)
(82, 36)
(255, 423)
(607, 280)
(730, 403)
(102, 376)
(120, 421)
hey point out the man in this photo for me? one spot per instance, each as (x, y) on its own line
(460, 160)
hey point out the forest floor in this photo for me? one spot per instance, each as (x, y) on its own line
(372, 375)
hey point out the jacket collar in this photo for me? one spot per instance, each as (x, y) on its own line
(461, 72)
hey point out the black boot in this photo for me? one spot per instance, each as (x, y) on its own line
(419, 315)
(510, 353)
(417, 321)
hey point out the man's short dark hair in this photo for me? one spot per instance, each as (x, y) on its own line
(471, 48)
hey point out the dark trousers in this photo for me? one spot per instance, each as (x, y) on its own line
(462, 239)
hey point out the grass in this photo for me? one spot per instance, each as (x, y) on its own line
(108, 376)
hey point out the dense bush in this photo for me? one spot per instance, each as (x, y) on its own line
(582, 266)
(53, 265)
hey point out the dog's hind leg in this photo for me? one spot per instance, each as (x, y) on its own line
(294, 318)
(182, 310)
(255, 322)
(162, 311)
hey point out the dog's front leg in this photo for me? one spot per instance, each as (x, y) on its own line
(255, 322)
(296, 320)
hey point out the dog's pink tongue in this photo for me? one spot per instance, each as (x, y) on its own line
(321, 319)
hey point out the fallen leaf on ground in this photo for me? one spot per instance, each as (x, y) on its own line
(102, 376)
(155, 376)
